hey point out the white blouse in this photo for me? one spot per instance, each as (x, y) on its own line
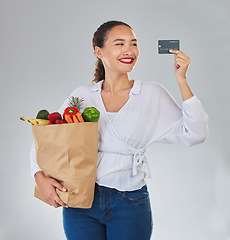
(150, 115)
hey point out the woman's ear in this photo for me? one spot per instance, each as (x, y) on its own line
(98, 52)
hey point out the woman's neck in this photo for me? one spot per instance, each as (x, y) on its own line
(114, 83)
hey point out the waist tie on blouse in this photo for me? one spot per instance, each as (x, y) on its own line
(140, 159)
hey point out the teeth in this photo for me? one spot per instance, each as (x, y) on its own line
(126, 60)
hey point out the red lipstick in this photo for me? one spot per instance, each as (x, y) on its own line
(126, 60)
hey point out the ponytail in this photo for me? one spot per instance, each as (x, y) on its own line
(99, 73)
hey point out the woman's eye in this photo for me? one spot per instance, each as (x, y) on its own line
(122, 44)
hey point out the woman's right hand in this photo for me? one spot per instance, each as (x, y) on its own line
(47, 187)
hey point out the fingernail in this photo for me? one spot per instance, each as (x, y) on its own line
(63, 189)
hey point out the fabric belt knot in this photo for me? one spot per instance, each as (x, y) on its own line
(139, 159)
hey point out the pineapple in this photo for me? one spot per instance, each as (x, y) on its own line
(76, 102)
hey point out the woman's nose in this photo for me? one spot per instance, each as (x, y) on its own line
(127, 51)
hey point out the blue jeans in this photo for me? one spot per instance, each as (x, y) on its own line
(114, 215)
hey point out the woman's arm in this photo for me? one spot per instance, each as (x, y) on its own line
(181, 64)
(189, 125)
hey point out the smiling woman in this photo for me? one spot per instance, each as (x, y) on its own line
(133, 115)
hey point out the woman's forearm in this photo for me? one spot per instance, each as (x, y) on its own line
(185, 89)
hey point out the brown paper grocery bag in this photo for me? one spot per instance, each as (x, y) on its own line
(68, 153)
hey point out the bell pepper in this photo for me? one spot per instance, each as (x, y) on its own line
(91, 114)
(72, 114)
(71, 111)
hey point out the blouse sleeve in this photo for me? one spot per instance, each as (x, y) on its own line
(33, 161)
(184, 126)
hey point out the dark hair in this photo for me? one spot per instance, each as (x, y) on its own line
(99, 38)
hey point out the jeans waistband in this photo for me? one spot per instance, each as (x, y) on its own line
(99, 188)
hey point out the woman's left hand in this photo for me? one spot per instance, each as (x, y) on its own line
(181, 64)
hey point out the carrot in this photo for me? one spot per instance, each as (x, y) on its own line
(75, 119)
(80, 118)
(68, 119)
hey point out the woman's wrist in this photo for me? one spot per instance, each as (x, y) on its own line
(182, 81)
(185, 89)
(38, 175)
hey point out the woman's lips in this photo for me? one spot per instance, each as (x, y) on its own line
(126, 60)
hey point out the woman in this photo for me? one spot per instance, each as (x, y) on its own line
(134, 114)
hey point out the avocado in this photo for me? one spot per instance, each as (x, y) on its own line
(43, 114)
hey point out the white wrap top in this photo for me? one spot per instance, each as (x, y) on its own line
(150, 115)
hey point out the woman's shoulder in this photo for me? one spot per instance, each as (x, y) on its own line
(151, 86)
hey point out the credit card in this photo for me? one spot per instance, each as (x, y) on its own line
(165, 45)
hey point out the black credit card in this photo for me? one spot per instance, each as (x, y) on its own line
(165, 45)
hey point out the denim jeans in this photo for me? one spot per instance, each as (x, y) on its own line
(114, 215)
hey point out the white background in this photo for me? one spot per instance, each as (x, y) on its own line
(46, 52)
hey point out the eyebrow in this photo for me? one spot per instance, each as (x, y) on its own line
(119, 39)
